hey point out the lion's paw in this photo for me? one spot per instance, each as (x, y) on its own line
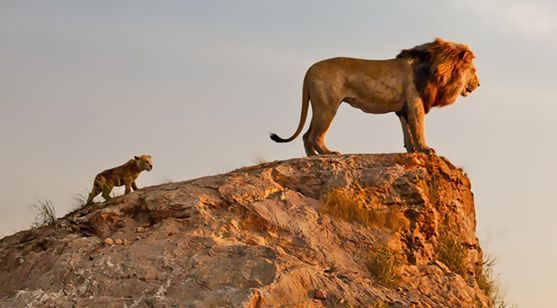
(428, 151)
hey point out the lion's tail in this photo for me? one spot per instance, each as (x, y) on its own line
(305, 107)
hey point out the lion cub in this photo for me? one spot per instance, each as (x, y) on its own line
(125, 174)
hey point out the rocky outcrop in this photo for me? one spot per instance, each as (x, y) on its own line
(257, 237)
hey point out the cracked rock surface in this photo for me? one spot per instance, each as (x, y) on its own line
(254, 237)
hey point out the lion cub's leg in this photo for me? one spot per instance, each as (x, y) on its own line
(94, 192)
(134, 186)
(107, 188)
(98, 185)
(128, 188)
(106, 195)
(129, 182)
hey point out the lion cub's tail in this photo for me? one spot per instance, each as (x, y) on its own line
(305, 106)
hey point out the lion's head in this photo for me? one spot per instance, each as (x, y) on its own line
(443, 70)
(144, 162)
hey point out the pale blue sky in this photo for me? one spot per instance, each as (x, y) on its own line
(84, 86)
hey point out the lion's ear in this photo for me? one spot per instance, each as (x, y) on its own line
(439, 41)
(466, 56)
(136, 158)
(405, 53)
(416, 52)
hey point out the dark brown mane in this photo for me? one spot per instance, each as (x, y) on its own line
(438, 67)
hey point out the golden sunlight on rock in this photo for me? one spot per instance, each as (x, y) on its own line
(327, 231)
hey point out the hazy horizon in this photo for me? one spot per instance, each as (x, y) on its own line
(87, 85)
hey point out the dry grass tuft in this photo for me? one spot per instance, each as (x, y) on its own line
(452, 253)
(384, 264)
(352, 205)
(485, 279)
(484, 276)
(45, 214)
(80, 200)
(395, 220)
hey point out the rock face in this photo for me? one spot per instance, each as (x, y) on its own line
(256, 237)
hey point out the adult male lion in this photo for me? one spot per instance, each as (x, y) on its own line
(428, 75)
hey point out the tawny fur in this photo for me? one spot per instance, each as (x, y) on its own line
(428, 75)
(124, 175)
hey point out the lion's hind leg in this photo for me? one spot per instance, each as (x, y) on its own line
(94, 192)
(308, 145)
(107, 188)
(106, 194)
(97, 188)
(321, 120)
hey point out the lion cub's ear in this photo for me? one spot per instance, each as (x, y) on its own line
(136, 157)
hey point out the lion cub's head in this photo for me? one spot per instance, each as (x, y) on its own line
(144, 162)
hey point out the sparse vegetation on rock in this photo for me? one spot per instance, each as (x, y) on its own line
(452, 252)
(485, 278)
(384, 264)
(354, 205)
(45, 214)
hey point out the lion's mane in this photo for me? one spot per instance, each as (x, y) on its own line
(438, 67)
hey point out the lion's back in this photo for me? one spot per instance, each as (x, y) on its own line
(115, 174)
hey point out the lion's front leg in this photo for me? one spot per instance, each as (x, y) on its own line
(128, 183)
(408, 144)
(416, 127)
